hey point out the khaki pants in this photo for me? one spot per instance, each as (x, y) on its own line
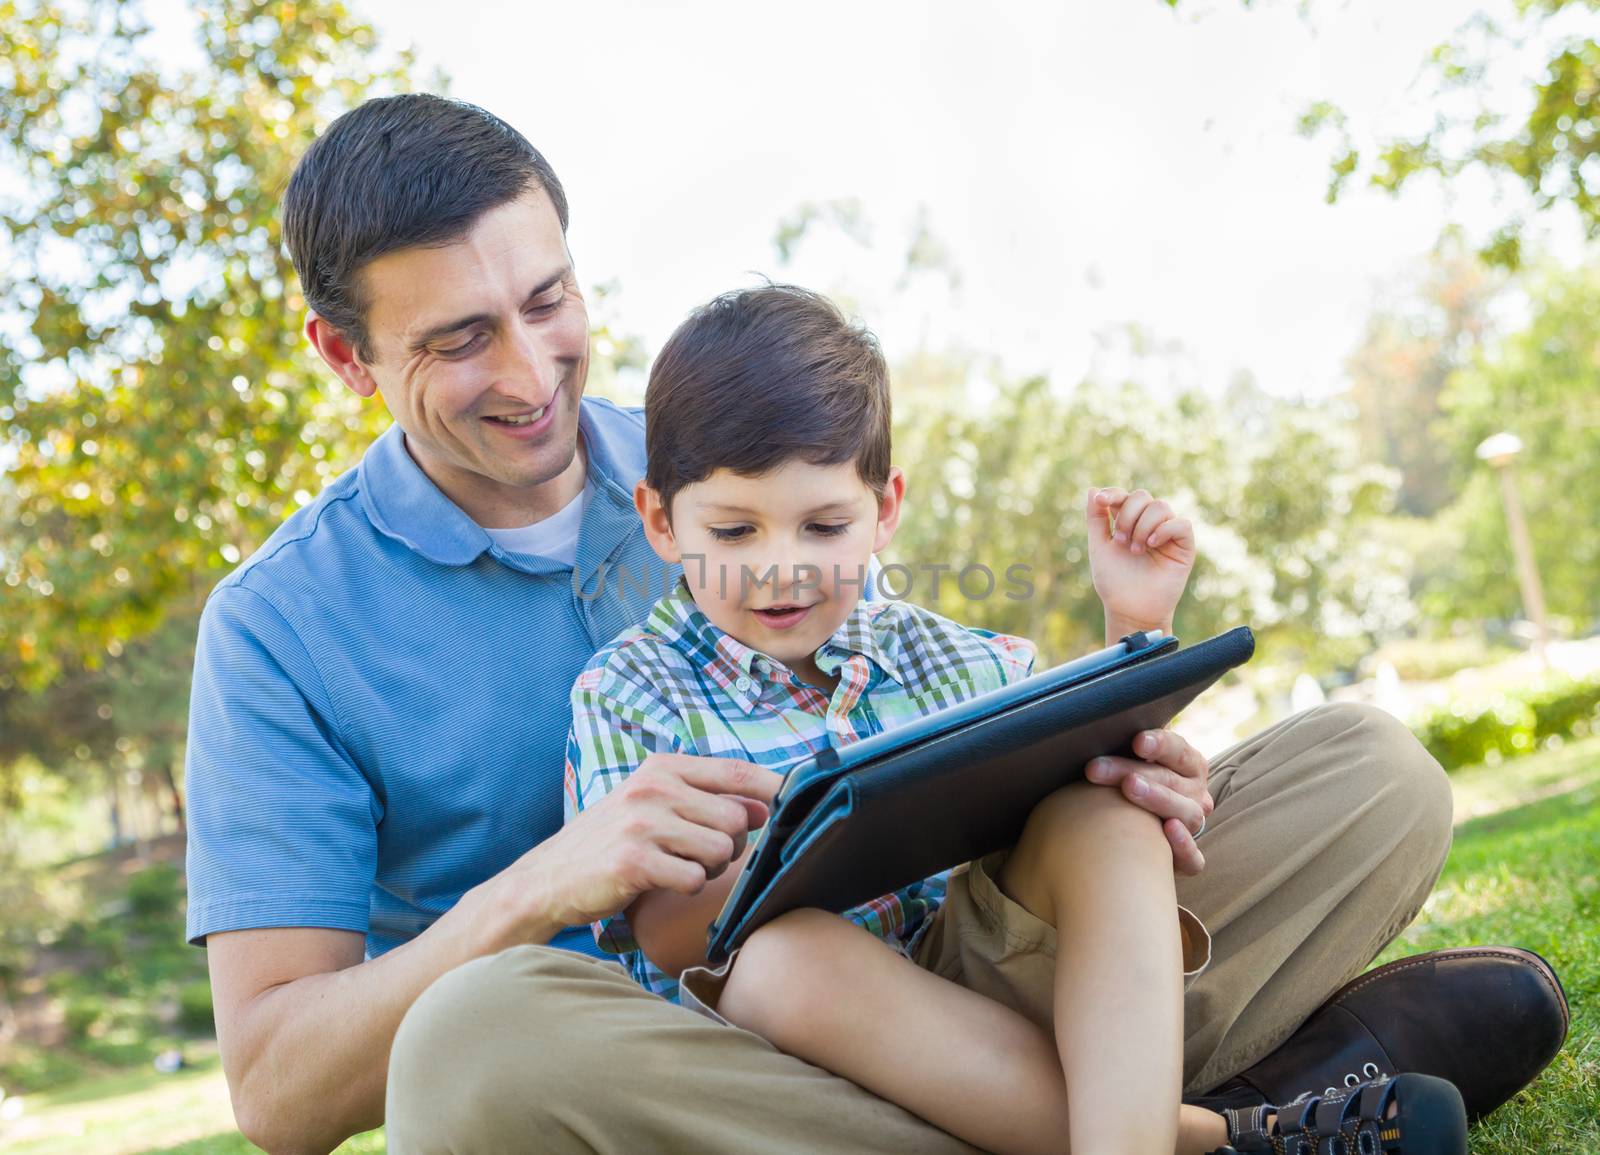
(1330, 830)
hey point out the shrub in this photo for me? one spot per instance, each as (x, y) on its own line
(155, 891)
(194, 1007)
(1515, 723)
(32, 1068)
(82, 1013)
(1466, 735)
(1565, 707)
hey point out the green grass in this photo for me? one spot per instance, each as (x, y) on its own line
(1522, 873)
(143, 1113)
(1529, 876)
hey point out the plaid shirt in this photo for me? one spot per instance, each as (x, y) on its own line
(679, 684)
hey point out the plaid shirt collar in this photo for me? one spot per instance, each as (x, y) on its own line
(742, 672)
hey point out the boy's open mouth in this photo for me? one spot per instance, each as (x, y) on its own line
(782, 617)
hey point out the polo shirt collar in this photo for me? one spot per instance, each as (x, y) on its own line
(404, 504)
(738, 670)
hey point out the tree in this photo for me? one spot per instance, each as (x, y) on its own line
(1412, 345)
(1275, 486)
(998, 467)
(1538, 382)
(158, 411)
(1551, 147)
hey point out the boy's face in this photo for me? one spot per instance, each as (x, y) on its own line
(777, 561)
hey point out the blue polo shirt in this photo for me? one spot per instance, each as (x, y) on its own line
(381, 697)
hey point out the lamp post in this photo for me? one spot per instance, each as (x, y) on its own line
(1500, 451)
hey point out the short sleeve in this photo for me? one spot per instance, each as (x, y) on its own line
(282, 824)
(618, 720)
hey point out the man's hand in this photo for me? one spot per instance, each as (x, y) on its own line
(1140, 556)
(677, 822)
(1170, 782)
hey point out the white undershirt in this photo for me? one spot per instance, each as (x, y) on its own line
(556, 537)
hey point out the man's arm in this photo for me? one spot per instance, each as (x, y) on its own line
(301, 1020)
(305, 1026)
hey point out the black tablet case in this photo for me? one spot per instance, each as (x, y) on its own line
(955, 795)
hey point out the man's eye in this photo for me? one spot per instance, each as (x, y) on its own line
(545, 308)
(829, 530)
(468, 346)
(733, 533)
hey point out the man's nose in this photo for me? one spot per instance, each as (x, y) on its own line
(526, 370)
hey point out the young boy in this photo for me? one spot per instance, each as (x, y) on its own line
(984, 999)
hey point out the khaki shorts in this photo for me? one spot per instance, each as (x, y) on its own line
(983, 940)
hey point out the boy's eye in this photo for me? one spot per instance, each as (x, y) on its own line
(823, 529)
(733, 533)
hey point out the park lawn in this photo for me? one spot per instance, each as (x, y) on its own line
(144, 1113)
(1529, 876)
(1522, 873)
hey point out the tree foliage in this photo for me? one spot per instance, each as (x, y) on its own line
(158, 410)
(1550, 146)
(1539, 382)
(1275, 486)
(1432, 324)
(160, 413)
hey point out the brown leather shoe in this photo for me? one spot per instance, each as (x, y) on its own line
(1486, 1018)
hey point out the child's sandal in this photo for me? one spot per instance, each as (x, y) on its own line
(1429, 1119)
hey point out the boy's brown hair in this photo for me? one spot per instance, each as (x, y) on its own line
(758, 377)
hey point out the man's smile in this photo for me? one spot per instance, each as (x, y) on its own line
(520, 418)
(527, 424)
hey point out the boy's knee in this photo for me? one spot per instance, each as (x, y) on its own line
(1082, 813)
(786, 957)
(1076, 821)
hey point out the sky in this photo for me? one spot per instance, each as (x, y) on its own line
(1087, 167)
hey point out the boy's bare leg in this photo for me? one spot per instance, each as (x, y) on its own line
(827, 991)
(1100, 871)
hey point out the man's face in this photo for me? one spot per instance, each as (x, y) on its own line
(811, 529)
(480, 349)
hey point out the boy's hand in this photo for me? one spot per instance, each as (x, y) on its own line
(1140, 556)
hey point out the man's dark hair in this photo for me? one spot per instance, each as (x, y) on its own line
(395, 172)
(759, 377)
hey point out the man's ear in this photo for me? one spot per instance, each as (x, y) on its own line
(657, 525)
(889, 507)
(340, 354)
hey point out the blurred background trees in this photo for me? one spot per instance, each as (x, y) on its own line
(1544, 145)
(160, 413)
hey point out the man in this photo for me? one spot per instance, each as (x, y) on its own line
(377, 728)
